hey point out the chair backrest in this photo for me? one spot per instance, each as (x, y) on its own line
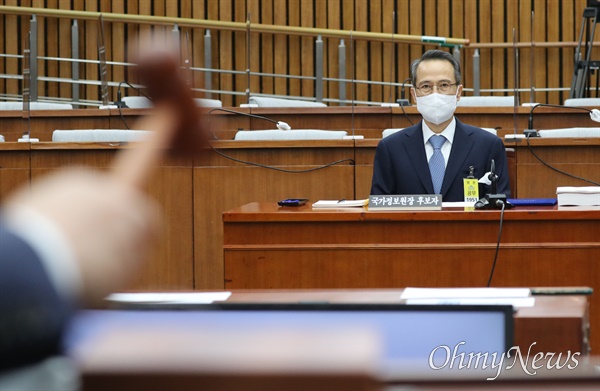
(297, 134)
(141, 102)
(261, 101)
(36, 106)
(583, 102)
(486, 101)
(570, 132)
(98, 135)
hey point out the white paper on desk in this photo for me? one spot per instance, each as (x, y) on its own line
(169, 297)
(457, 204)
(464, 293)
(514, 301)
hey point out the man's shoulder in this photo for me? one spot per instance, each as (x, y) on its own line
(402, 134)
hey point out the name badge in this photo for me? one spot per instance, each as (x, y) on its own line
(471, 187)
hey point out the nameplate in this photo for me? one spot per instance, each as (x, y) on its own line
(405, 202)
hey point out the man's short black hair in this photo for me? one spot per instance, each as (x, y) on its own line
(435, 55)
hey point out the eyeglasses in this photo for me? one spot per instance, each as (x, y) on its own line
(443, 87)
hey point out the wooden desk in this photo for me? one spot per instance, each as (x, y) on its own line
(180, 350)
(555, 323)
(576, 156)
(267, 247)
(171, 263)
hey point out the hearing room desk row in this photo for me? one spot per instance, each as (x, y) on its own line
(195, 193)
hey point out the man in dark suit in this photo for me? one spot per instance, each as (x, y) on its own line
(71, 238)
(435, 155)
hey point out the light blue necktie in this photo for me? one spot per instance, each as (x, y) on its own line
(437, 165)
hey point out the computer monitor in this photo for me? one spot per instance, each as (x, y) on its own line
(414, 337)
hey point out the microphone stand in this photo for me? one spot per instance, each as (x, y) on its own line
(531, 131)
(493, 200)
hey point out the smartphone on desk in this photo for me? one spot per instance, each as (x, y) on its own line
(293, 202)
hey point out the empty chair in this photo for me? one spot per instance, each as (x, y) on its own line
(486, 101)
(583, 102)
(570, 132)
(262, 101)
(298, 134)
(36, 106)
(141, 102)
(98, 135)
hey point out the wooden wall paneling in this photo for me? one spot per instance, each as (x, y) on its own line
(442, 18)
(280, 50)
(364, 156)
(294, 49)
(553, 74)
(402, 50)
(132, 31)
(469, 32)
(240, 45)
(14, 167)
(320, 16)
(170, 264)
(219, 187)
(212, 9)
(330, 19)
(499, 34)
(388, 58)
(512, 23)
(196, 37)
(540, 54)
(484, 34)
(307, 49)
(255, 52)
(375, 52)
(105, 6)
(226, 53)
(580, 159)
(48, 46)
(92, 72)
(13, 37)
(525, 53)
(347, 23)
(458, 30)
(361, 51)
(64, 51)
(416, 28)
(117, 53)
(570, 23)
(3, 50)
(267, 48)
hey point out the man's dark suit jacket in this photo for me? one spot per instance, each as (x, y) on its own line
(33, 316)
(401, 163)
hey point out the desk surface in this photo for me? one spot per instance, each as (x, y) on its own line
(267, 247)
(153, 353)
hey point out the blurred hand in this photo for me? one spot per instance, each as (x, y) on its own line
(110, 226)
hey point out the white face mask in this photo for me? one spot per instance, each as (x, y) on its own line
(436, 108)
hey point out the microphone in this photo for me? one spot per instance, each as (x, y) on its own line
(493, 177)
(403, 101)
(280, 124)
(532, 132)
(119, 103)
(493, 200)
